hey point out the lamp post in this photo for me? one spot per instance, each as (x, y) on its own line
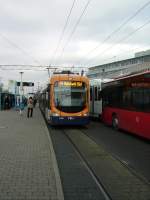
(21, 92)
(48, 68)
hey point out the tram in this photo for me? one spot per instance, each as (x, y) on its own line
(126, 103)
(66, 99)
(96, 97)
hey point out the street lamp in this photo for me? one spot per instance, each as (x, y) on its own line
(48, 68)
(21, 92)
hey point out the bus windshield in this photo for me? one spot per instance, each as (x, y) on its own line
(70, 96)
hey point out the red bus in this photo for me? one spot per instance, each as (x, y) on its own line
(126, 103)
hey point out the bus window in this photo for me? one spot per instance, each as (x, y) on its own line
(138, 98)
(141, 99)
(127, 99)
(146, 100)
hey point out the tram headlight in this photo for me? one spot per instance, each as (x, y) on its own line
(86, 114)
(54, 114)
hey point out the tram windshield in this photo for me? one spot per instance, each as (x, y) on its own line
(70, 96)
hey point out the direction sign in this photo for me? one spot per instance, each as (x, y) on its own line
(28, 84)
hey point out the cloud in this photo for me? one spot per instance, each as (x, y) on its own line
(36, 26)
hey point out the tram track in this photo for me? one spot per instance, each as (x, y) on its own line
(87, 166)
(135, 188)
(77, 179)
(123, 162)
(116, 179)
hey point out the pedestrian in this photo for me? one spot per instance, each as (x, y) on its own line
(30, 107)
(34, 102)
(6, 103)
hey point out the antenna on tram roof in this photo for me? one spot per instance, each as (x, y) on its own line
(82, 72)
(64, 72)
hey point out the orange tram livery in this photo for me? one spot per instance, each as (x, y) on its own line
(66, 99)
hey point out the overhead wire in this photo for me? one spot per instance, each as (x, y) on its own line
(119, 28)
(124, 38)
(63, 30)
(19, 48)
(75, 27)
(21, 65)
(13, 69)
(25, 67)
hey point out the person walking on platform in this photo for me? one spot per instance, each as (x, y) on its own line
(30, 107)
(34, 102)
(6, 103)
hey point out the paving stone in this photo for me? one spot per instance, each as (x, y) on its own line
(26, 164)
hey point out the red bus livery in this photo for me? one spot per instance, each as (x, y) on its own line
(126, 103)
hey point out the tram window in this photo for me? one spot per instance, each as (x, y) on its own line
(99, 94)
(46, 99)
(95, 93)
(91, 94)
(45, 102)
(49, 99)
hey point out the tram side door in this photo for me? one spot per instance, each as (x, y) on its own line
(91, 101)
(97, 101)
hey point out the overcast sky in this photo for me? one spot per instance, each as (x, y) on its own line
(30, 32)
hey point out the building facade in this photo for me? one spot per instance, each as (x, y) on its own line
(140, 62)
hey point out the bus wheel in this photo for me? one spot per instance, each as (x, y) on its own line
(115, 122)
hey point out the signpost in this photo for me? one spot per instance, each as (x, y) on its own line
(28, 84)
(21, 94)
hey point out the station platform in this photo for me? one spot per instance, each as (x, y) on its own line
(28, 167)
